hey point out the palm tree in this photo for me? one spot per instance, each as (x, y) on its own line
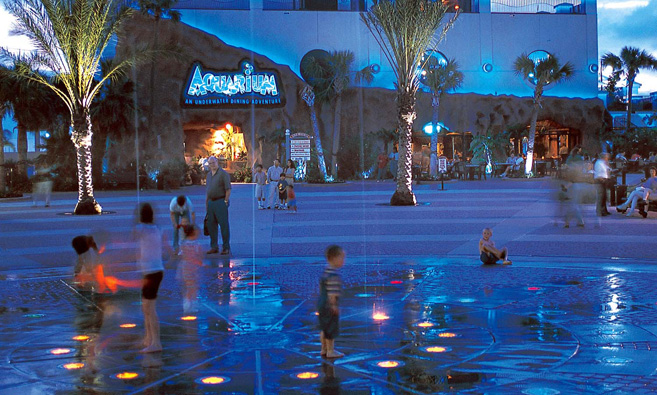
(5, 109)
(308, 96)
(628, 65)
(70, 37)
(331, 77)
(157, 9)
(541, 73)
(404, 30)
(441, 78)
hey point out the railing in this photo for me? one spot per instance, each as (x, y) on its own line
(315, 5)
(213, 4)
(537, 6)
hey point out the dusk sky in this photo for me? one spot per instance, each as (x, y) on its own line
(620, 23)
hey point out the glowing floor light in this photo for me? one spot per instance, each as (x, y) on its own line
(253, 283)
(380, 316)
(425, 324)
(533, 288)
(436, 349)
(447, 334)
(60, 351)
(127, 375)
(307, 375)
(213, 380)
(396, 282)
(73, 366)
(128, 325)
(188, 318)
(388, 364)
(81, 338)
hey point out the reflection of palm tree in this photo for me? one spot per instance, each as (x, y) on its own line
(541, 73)
(628, 65)
(404, 30)
(441, 78)
(308, 96)
(70, 38)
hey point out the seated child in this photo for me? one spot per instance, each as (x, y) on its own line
(282, 192)
(488, 254)
(291, 199)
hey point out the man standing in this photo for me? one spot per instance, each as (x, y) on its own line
(602, 177)
(273, 176)
(179, 208)
(217, 200)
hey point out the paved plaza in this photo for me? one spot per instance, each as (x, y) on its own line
(575, 313)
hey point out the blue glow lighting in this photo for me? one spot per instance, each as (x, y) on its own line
(428, 128)
(487, 67)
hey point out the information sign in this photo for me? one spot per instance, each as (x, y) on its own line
(442, 164)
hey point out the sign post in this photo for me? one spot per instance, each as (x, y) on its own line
(299, 147)
(442, 169)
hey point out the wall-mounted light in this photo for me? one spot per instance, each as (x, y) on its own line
(375, 68)
(487, 67)
(593, 68)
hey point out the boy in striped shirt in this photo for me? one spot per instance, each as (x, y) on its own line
(330, 288)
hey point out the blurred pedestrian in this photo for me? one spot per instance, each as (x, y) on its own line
(393, 161)
(217, 200)
(191, 261)
(602, 179)
(42, 186)
(382, 161)
(149, 238)
(180, 207)
(330, 289)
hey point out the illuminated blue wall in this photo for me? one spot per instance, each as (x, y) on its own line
(477, 39)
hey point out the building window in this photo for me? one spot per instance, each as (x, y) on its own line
(537, 6)
(213, 4)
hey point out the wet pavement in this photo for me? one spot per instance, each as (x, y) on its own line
(573, 314)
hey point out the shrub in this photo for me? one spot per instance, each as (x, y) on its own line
(172, 173)
(243, 174)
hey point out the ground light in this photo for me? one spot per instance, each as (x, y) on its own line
(213, 380)
(60, 351)
(128, 325)
(533, 288)
(81, 338)
(447, 334)
(389, 364)
(436, 349)
(307, 375)
(425, 324)
(73, 366)
(188, 318)
(127, 375)
(380, 316)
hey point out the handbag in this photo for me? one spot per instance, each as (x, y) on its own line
(206, 230)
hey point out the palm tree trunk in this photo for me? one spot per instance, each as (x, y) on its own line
(21, 147)
(403, 195)
(433, 167)
(336, 136)
(628, 124)
(530, 143)
(3, 181)
(81, 137)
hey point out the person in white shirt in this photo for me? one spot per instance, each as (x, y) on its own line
(602, 178)
(273, 176)
(180, 207)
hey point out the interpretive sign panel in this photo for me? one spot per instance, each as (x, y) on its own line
(442, 164)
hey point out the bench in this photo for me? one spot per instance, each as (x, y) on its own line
(644, 207)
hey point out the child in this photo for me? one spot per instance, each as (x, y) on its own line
(192, 259)
(86, 267)
(282, 192)
(330, 287)
(488, 254)
(291, 199)
(260, 179)
(150, 261)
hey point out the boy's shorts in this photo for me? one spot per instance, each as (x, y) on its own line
(329, 323)
(260, 191)
(151, 285)
(282, 196)
(292, 203)
(488, 258)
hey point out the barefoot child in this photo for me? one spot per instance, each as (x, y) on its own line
(330, 287)
(488, 254)
(192, 259)
(150, 262)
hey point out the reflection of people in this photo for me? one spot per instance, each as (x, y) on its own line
(488, 253)
(393, 160)
(330, 288)
(150, 262)
(180, 207)
(192, 260)
(217, 200)
(382, 161)
(42, 187)
(273, 175)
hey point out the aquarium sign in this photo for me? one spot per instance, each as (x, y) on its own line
(244, 87)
